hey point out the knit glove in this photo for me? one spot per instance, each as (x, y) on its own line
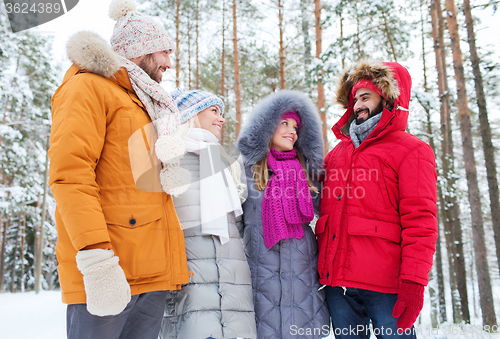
(409, 304)
(106, 286)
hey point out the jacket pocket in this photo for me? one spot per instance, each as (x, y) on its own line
(138, 238)
(327, 245)
(374, 252)
(375, 228)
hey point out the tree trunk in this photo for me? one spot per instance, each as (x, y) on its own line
(197, 42)
(177, 43)
(14, 258)
(39, 254)
(320, 86)
(236, 63)
(484, 282)
(53, 267)
(386, 29)
(5, 225)
(342, 40)
(190, 71)
(450, 207)
(440, 278)
(50, 274)
(433, 299)
(307, 46)
(437, 299)
(4, 245)
(489, 150)
(223, 68)
(282, 48)
(358, 41)
(23, 252)
(3, 121)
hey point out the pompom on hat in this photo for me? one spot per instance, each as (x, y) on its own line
(136, 34)
(190, 103)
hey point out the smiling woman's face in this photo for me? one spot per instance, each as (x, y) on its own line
(285, 135)
(211, 120)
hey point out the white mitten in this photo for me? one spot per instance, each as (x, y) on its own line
(106, 286)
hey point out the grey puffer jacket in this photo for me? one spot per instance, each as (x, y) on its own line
(287, 299)
(217, 301)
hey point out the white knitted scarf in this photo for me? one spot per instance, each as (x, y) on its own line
(218, 193)
(164, 115)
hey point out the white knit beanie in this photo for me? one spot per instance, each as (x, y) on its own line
(136, 34)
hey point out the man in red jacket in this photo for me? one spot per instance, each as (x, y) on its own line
(377, 229)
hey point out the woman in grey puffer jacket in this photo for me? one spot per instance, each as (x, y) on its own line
(217, 301)
(282, 129)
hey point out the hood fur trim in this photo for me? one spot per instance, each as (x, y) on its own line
(379, 73)
(92, 53)
(257, 132)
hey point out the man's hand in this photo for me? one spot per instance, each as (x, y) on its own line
(409, 304)
(106, 286)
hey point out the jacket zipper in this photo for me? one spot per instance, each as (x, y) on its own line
(341, 230)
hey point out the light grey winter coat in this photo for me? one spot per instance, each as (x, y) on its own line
(217, 302)
(285, 279)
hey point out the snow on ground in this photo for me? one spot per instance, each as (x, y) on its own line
(43, 316)
(29, 315)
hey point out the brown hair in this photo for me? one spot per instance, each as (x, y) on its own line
(261, 173)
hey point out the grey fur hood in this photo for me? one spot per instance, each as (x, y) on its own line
(256, 135)
(92, 53)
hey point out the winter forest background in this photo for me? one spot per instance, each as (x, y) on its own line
(243, 50)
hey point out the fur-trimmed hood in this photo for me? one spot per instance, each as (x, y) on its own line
(256, 134)
(381, 75)
(92, 53)
(393, 80)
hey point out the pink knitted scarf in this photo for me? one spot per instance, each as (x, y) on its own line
(287, 201)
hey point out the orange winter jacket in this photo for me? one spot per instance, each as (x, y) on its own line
(97, 200)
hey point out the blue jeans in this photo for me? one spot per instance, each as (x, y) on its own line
(141, 319)
(351, 314)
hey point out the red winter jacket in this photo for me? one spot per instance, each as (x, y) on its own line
(378, 221)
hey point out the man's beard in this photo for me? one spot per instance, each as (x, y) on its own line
(371, 113)
(151, 68)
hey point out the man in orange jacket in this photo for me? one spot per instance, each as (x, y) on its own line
(120, 244)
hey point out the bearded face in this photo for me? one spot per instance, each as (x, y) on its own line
(367, 103)
(155, 64)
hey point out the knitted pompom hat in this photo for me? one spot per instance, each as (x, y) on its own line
(190, 103)
(136, 34)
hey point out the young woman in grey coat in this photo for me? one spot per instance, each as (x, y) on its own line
(281, 139)
(217, 301)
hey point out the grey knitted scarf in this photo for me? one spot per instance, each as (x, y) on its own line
(359, 132)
